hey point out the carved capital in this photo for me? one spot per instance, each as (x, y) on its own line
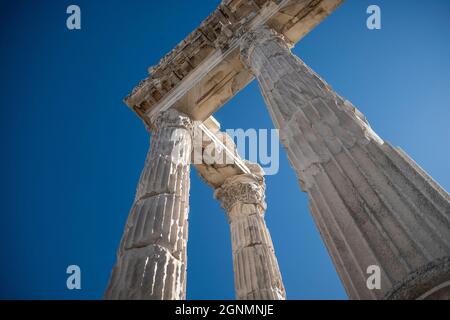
(171, 118)
(259, 36)
(242, 189)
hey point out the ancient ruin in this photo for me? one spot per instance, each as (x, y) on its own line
(372, 204)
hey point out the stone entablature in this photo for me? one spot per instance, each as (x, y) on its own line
(204, 71)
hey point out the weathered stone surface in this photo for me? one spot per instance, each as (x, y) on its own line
(151, 260)
(429, 282)
(256, 272)
(372, 204)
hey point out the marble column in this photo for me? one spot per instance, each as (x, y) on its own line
(256, 272)
(373, 205)
(151, 260)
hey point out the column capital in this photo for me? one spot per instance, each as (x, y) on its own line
(243, 189)
(171, 118)
(258, 36)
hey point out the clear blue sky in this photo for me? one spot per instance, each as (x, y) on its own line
(73, 152)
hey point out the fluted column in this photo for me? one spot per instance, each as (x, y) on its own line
(151, 260)
(373, 205)
(256, 272)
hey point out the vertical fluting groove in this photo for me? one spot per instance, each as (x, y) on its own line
(345, 252)
(355, 183)
(426, 185)
(375, 244)
(383, 181)
(332, 249)
(415, 168)
(427, 230)
(256, 271)
(386, 209)
(372, 204)
(151, 261)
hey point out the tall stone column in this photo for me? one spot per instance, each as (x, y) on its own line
(151, 260)
(256, 272)
(372, 204)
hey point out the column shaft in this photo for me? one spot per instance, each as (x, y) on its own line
(256, 272)
(151, 260)
(372, 204)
